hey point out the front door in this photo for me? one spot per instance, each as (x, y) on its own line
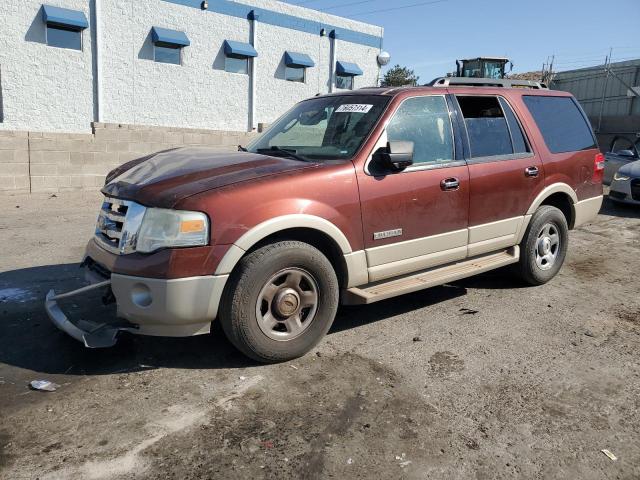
(505, 174)
(417, 218)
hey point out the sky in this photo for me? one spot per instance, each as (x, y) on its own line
(429, 38)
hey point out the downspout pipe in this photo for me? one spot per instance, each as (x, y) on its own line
(253, 19)
(332, 59)
(97, 44)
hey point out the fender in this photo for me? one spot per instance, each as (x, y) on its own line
(550, 190)
(277, 224)
(542, 196)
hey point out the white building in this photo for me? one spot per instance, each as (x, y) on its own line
(217, 64)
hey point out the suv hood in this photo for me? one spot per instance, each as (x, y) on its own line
(165, 178)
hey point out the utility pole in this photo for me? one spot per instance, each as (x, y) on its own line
(607, 64)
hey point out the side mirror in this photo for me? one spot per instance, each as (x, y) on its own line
(625, 153)
(396, 156)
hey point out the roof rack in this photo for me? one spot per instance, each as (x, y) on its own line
(486, 82)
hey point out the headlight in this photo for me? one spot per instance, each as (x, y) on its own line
(618, 177)
(162, 228)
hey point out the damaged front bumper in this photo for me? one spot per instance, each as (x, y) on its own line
(179, 307)
(92, 334)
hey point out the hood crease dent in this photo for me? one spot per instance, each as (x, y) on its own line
(164, 179)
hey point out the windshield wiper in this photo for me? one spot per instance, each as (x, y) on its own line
(242, 149)
(284, 152)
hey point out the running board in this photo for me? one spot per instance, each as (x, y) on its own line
(374, 292)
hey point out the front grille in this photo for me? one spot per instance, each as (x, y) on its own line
(111, 222)
(617, 195)
(118, 224)
(635, 189)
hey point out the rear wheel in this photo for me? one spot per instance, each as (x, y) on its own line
(544, 246)
(280, 301)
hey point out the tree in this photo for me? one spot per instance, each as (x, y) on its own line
(399, 76)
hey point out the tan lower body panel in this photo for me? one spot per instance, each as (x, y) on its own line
(402, 267)
(375, 292)
(494, 236)
(587, 210)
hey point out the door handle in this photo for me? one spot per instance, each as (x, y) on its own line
(449, 184)
(531, 171)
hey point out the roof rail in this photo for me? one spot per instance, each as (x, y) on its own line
(486, 82)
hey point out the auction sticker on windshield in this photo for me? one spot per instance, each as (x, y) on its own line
(354, 108)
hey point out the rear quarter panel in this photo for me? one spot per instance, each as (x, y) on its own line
(573, 168)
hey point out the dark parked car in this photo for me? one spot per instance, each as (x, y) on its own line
(621, 153)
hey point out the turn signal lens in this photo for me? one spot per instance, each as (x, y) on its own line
(192, 226)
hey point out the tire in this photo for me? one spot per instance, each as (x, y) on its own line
(268, 310)
(540, 259)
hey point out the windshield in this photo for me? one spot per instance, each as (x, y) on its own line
(323, 128)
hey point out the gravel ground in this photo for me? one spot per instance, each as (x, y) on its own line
(478, 379)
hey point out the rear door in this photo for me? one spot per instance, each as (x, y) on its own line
(505, 174)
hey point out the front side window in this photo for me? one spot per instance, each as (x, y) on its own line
(61, 37)
(344, 82)
(325, 128)
(425, 122)
(294, 74)
(562, 124)
(167, 53)
(237, 65)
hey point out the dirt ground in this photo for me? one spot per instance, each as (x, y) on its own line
(502, 382)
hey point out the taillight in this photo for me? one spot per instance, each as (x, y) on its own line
(598, 167)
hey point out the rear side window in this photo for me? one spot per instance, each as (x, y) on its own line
(518, 141)
(562, 124)
(492, 127)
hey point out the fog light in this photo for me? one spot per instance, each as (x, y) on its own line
(141, 295)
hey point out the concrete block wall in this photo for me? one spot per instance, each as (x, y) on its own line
(32, 162)
(14, 161)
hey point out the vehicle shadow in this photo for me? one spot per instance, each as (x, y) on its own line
(29, 340)
(613, 209)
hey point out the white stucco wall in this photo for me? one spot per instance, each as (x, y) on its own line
(51, 89)
(43, 88)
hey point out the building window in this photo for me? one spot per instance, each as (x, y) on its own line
(237, 55)
(64, 27)
(296, 66)
(236, 65)
(345, 73)
(64, 38)
(168, 45)
(294, 74)
(166, 53)
(344, 83)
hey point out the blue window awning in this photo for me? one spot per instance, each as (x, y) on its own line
(239, 49)
(346, 69)
(170, 37)
(299, 60)
(63, 17)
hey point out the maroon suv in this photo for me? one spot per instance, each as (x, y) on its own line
(353, 197)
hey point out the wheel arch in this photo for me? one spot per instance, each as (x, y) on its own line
(315, 231)
(561, 196)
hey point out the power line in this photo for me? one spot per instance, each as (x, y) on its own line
(333, 7)
(397, 8)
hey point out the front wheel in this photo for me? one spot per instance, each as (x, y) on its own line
(280, 301)
(544, 246)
